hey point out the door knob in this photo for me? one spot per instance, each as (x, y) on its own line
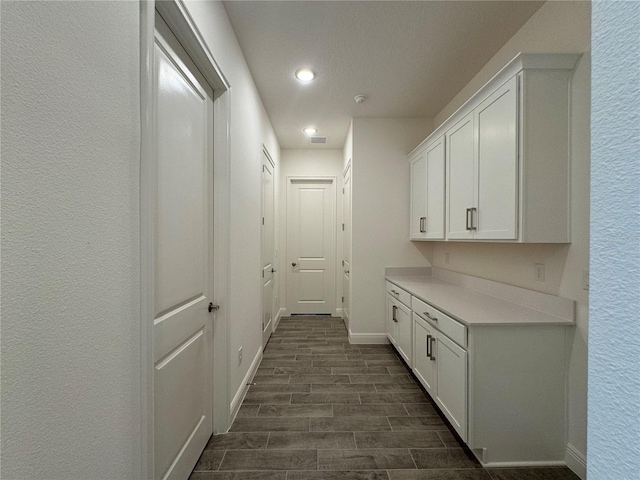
(273, 270)
(293, 264)
(213, 307)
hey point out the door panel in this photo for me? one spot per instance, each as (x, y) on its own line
(435, 191)
(311, 246)
(424, 367)
(183, 401)
(418, 196)
(268, 249)
(496, 121)
(460, 161)
(451, 362)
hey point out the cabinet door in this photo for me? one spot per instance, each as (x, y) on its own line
(423, 367)
(404, 333)
(418, 196)
(451, 378)
(496, 122)
(392, 329)
(435, 190)
(460, 184)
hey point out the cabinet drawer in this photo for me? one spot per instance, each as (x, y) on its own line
(399, 294)
(447, 325)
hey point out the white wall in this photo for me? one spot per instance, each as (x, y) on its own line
(70, 241)
(310, 163)
(556, 27)
(614, 330)
(250, 128)
(380, 213)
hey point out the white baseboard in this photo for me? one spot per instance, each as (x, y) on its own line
(338, 313)
(552, 463)
(238, 398)
(576, 461)
(279, 315)
(367, 338)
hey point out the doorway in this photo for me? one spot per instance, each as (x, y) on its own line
(311, 245)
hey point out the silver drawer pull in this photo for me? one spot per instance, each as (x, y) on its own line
(432, 356)
(428, 344)
(395, 293)
(429, 316)
(393, 316)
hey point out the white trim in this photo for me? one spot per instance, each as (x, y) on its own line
(368, 338)
(551, 463)
(238, 398)
(338, 313)
(576, 461)
(147, 256)
(279, 315)
(182, 25)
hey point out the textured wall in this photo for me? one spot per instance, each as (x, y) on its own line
(311, 163)
(70, 254)
(614, 330)
(380, 213)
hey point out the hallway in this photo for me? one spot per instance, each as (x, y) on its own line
(322, 408)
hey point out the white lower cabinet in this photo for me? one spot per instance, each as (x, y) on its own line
(501, 386)
(399, 322)
(441, 367)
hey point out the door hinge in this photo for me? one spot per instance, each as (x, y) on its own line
(343, 263)
(342, 299)
(262, 273)
(263, 220)
(343, 191)
(343, 227)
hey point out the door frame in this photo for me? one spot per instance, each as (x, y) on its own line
(179, 20)
(311, 179)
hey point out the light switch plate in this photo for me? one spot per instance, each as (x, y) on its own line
(539, 272)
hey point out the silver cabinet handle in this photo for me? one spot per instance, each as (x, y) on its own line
(394, 292)
(393, 315)
(471, 224)
(423, 224)
(432, 356)
(428, 344)
(430, 317)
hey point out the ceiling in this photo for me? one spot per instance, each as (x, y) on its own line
(409, 58)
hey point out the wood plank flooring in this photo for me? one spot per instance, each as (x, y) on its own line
(324, 409)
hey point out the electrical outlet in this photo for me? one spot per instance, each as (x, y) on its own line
(585, 279)
(539, 272)
(447, 258)
(240, 356)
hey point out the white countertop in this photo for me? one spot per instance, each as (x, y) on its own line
(470, 307)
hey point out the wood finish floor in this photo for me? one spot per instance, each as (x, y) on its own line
(322, 408)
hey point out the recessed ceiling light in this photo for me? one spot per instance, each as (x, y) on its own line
(310, 130)
(305, 74)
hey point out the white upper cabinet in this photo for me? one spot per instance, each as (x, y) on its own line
(507, 157)
(427, 192)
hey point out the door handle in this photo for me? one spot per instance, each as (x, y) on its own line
(293, 264)
(423, 226)
(470, 223)
(428, 344)
(273, 270)
(432, 356)
(393, 315)
(213, 307)
(467, 226)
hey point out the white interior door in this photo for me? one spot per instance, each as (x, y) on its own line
(311, 245)
(268, 265)
(346, 246)
(183, 360)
